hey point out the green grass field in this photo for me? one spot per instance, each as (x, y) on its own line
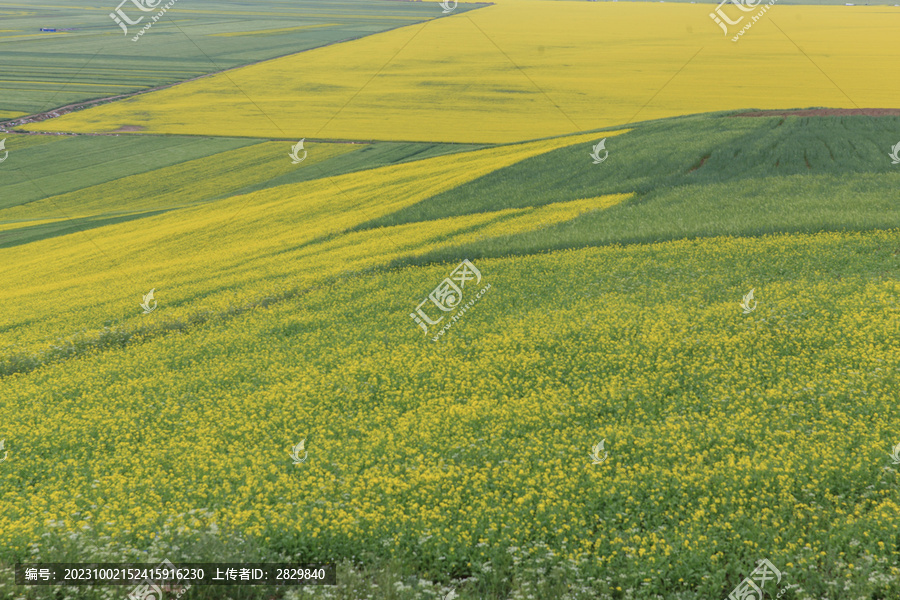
(834, 170)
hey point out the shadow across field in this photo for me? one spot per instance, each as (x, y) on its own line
(32, 233)
(693, 177)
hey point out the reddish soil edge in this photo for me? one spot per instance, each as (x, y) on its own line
(702, 162)
(826, 112)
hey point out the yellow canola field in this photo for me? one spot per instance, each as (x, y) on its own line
(714, 423)
(213, 257)
(27, 223)
(526, 70)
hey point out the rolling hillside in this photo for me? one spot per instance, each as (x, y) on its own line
(608, 310)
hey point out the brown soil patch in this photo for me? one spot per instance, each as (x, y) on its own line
(130, 128)
(702, 162)
(826, 112)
